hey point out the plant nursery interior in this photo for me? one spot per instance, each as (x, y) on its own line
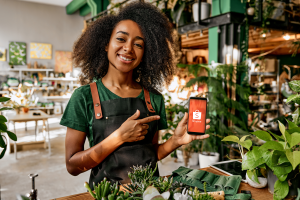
(149, 99)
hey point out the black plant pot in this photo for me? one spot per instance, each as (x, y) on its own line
(294, 182)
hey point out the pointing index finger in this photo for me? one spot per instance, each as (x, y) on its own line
(149, 119)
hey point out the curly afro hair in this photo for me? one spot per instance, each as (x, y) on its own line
(157, 65)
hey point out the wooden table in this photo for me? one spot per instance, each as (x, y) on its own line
(25, 117)
(256, 193)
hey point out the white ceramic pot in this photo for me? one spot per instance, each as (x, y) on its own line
(194, 159)
(179, 154)
(205, 160)
(205, 11)
(262, 182)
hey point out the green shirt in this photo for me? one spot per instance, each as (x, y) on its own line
(78, 114)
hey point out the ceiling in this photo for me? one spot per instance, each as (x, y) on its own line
(51, 2)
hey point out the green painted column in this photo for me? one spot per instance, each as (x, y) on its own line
(213, 44)
(74, 6)
(225, 6)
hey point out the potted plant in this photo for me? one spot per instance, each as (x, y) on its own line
(205, 10)
(3, 129)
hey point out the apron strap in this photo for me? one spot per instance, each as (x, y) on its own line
(148, 101)
(96, 100)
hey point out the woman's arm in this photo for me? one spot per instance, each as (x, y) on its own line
(79, 160)
(179, 138)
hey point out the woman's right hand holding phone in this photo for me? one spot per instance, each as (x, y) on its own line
(134, 129)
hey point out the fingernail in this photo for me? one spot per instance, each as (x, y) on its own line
(158, 117)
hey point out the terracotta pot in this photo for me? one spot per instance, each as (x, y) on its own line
(25, 110)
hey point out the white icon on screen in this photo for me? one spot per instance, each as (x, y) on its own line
(197, 115)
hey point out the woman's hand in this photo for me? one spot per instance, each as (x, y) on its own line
(181, 136)
(133, 130)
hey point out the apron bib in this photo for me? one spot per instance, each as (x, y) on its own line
(108, 117)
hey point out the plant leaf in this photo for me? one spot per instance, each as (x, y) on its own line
(296, 115)
(257, 153)
(279, 138)
(282, 177)
(3, 127)
(2, 109)
(293, 157)
(231, 138)
(295, 85)
(11, 135)
(282, 129)
(247, 144)
(263, 135)
(243, 138)
(283, 159)
(298, 197)
(2, 119)
(3, 99)
(281, 189)
(252, 175)
(295, 139)
(291, 124)
(272, 145)
(293, 98)
(249, 161)
(3, 152)
(2, 143)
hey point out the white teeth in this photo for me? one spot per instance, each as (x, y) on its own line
(126, 59)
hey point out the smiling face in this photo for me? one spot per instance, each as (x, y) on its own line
(126, 46)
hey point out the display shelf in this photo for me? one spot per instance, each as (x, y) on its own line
(37, 88)
(56, 98)
(60, 79)
(265, 110)
(263, 73)
(31, 70)
(4, 92)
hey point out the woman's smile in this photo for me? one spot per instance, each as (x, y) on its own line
(125, 59)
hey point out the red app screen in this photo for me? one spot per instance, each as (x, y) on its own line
(197, 115)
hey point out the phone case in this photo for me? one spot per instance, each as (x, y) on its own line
(196, 133)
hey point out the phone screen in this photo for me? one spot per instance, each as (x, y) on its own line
(197, 116)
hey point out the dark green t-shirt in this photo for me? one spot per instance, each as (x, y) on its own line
(78, 114)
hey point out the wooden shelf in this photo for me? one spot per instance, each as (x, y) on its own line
(31, 70)
(263, 73)
(59, 79)
(56, 98)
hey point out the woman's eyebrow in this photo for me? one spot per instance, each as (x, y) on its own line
(125, 33)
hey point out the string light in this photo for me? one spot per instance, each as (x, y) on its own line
(264, 35)
(287, 36)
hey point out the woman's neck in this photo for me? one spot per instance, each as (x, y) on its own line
(115, 78)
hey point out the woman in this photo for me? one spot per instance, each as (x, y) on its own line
(121, 112)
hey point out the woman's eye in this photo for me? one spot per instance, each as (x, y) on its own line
(139, 45)
(121, 39)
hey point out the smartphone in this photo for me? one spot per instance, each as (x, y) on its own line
(197, 116)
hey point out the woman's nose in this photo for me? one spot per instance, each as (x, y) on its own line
(127, 47)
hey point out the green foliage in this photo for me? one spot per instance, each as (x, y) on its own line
(3, 129)
(295, 99)
(222, 108)
(197, 195)
(282, 156)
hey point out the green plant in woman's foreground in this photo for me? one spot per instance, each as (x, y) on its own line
(3, 129)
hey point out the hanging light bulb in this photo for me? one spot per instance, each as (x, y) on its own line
(287, 36)
(263, 35)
